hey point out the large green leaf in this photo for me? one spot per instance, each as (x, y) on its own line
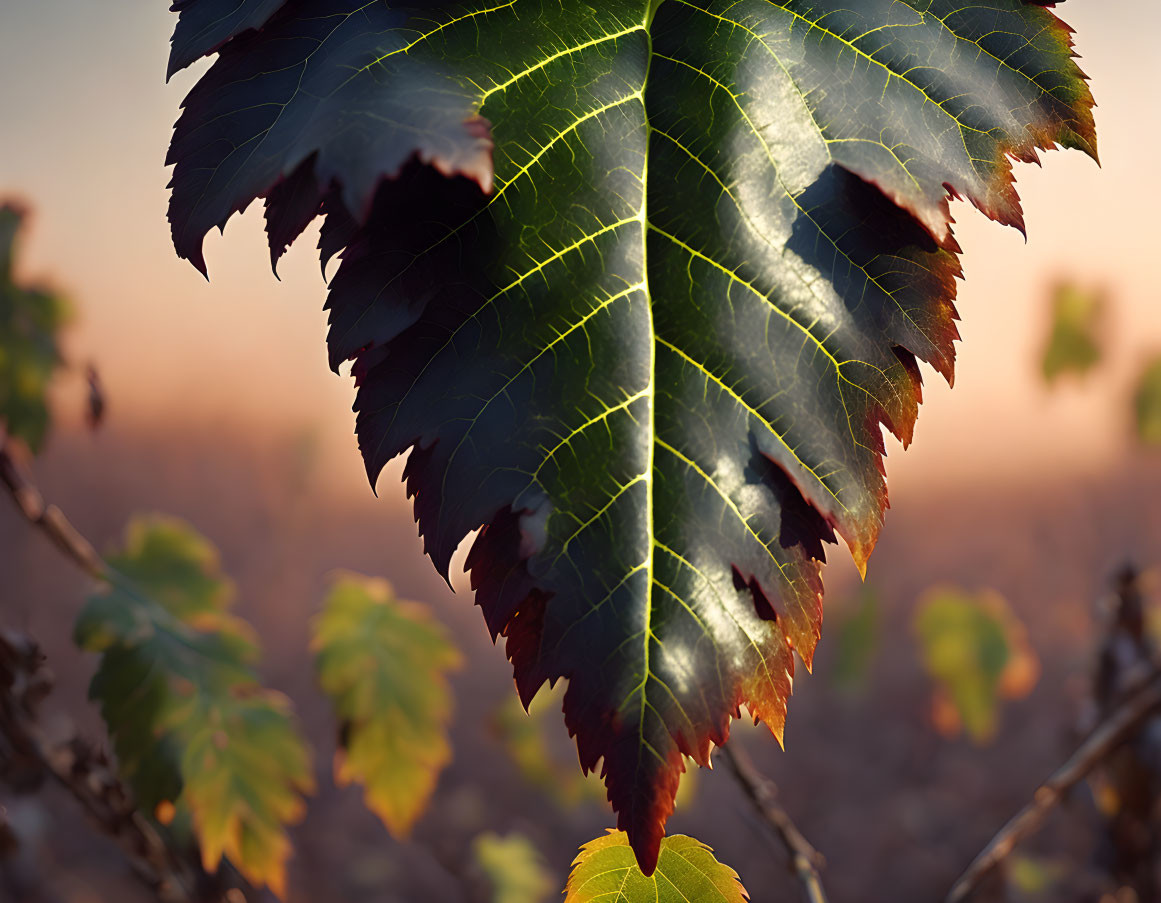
(31, 317)
(191, 725)
(650, 344)
(385, 664)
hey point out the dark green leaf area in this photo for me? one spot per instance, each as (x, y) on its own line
(654, 361)
(331, 87)
(204, 25)
(31, 317)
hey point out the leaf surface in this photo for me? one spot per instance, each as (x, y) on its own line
(191, 725)
(31, 316)
(606, 871)
(384, 663)
(650, 343)
(205, 25)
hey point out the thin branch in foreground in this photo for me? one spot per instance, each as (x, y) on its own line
(1117, 727)
(49, 519)
(805, 860)
(81, 770)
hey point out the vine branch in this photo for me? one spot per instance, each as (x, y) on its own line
(805, 860)
(82, 770)
(49, 519)
(1112, 731)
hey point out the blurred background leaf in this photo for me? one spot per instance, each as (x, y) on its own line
(30, 318)
(526, 737)
(857, 640)
(686, 871)
(976, 651)
(514, 868)
(1147, 404)
(1074, 340)
(384, 663)
(196, 735)
(1033, 877)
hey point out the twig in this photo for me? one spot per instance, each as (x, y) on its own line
(77, 766)
(83, 771)
(805, 860)
(49, 519)
(1117, 727)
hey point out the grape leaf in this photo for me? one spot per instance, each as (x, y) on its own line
(205, 25)
(385, 663)
(606, 870)
(648, 345)
(1147, 404)
(1074, 341)
(30, 318)
(192, 727)
(514, 867)
(976, 650)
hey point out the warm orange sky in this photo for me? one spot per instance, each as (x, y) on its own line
(87, 116)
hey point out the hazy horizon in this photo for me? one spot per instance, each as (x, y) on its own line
(85, 145)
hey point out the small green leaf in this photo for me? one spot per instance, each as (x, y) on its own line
(1147, 404)
(385, 664)
(607, 871)
(977, 652)
(30, 318)
(514, 867)
(1074, 342)
(858, 641)
(196, 736)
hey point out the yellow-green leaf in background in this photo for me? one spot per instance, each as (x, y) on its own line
(977, 652)
(30, 318)
(525, 737)
(514, 868)
(858, 641)
(1074, 341)
(607, 871)
(1034, 878)
(194, 731)
(1147, 404)
(384, 664)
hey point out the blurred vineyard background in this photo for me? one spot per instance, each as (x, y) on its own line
(1028, 489)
